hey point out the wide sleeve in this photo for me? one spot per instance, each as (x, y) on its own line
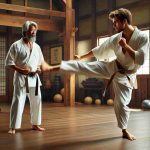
(11, 56)
(105, 50)
(142, 52)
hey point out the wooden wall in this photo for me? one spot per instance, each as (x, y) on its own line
(45, 39)
(99, 23)
(92, 21)
(143, 91)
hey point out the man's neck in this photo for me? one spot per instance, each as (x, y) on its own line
(127, 33)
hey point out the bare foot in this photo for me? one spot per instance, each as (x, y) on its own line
(128, 135)
(36, 127)
(12, 131)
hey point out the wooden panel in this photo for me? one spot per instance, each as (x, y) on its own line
(142, 92)
(85, 7)
(101, 5)
(141, 15)
(102, 23)
(16, 2)
(17, 21)
(85, 27)
(39, 4)
(124, 2)
(31, 10)
(143, 88)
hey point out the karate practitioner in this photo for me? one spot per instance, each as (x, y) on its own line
(26, 58)
(129, 48)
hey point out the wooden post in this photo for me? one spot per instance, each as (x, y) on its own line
(69, 48)
(25, 4)
(93, 37)
(50, 7)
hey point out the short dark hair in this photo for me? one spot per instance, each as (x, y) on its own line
(121, 14)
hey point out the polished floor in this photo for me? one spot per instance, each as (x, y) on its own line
(78, 128)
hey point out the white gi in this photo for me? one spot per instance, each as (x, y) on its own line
(122, 87)
(19, 55)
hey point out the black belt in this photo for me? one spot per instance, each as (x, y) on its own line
(32, 74)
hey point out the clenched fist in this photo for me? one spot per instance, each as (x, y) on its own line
(122, 42)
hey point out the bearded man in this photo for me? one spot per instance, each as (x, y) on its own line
(26, 58)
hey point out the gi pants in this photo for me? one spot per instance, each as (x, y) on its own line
(17, 106)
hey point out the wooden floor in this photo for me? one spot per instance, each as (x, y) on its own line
(80, 128)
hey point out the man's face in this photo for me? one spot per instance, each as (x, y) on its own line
(118, 25)
(31, 34)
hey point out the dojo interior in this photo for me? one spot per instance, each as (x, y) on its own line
(73, 111)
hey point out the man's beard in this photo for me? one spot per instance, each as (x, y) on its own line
(31, 39)
(119, 30)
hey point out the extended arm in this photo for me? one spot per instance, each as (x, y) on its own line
(45, 67)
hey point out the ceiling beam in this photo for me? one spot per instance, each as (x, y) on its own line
(38, 11)
(17, 21)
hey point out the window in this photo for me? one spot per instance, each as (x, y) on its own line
(144, 69)
(100, 40)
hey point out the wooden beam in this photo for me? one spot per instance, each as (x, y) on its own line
(93, 17)
(25, 4)
(69, 47)
(17, 21)
(38, 11)
(51, 4)
(50, 7)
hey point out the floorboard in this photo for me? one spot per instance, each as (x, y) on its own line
(75, 128)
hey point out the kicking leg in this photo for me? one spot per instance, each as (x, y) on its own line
(96, 68)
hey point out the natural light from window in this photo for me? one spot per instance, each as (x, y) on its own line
(144, 69)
